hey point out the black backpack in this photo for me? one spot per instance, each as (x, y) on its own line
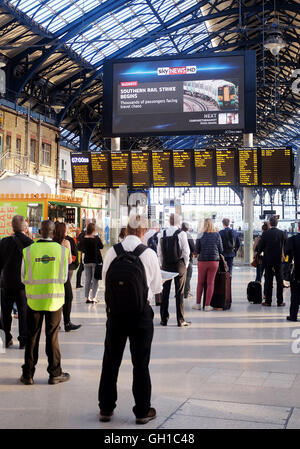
(228, 241)
(153, 242)
(170, 248)
(126, 289)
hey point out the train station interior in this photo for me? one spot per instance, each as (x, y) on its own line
(156, 107)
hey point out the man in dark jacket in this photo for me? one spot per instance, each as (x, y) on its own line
(12, 288)
(231, 243)
(292, 250)
(272, 245)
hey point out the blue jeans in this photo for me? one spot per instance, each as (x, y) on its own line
(229, 261)
(90, 281)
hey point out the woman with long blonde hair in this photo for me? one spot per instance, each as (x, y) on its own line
(208, 248)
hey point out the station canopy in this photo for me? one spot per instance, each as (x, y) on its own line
(54, 52)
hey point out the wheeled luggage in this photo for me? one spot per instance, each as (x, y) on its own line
(254, 292)
(221, 298)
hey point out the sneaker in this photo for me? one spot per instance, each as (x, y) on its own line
(196, 306)
(89, 301)
(150, 415)
(71, 327)
(184, 324)
(105, 416)
(26, 380)
(64, 377)
(208, 309)
(95, 301)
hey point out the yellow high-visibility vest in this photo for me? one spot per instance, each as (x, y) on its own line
(46, 265)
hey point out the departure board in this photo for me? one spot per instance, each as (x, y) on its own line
(161, 165)
(182, 168)
(225, 161)
(141, 169)
(81, 173)
(276, 167)
(204, 168)
(248, 166)
(100, 170)
(120, 168)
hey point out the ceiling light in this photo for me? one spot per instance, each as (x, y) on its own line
(274, 41)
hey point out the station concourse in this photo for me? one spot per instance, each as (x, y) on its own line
(237, 369)
(155, 107)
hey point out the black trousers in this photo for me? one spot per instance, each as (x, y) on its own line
(270, 272)
(8, 297)
(34, 324)
(79, 273)
(67, 307)
(179, 290)
(140, 334)
(295, 300)
(189, 274)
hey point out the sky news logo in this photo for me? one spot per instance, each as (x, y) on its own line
(185, 70)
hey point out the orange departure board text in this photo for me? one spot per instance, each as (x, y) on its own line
(225, 161)
(141, 169)
(182, 168)
(204, 167)
(248, 166)
(276, 167)
(161, 165)
(120, 168)
(81, 173)
(100, 170)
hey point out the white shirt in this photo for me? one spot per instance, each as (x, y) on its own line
(183, 244)
(148, 258)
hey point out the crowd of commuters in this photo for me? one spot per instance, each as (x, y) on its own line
(37, 277)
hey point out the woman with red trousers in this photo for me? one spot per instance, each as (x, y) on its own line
(208, 248)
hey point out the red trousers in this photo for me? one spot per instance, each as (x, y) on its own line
(206, 275)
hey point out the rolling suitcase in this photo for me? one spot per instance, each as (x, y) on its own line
(254, 293)
(221, 298)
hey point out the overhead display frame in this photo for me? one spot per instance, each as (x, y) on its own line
(180, 95)
(220, 167)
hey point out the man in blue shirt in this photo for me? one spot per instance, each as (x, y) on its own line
(231, 243)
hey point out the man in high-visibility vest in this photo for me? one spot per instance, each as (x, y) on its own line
(44, 272)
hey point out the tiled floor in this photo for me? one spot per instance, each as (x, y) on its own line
(234, 369)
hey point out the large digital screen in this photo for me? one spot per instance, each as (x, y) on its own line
(182, 168)
(161, 166)
(81, 170)
(225, 167)
(204, 168)
(120, 168)
(100, 166)
(276, 167)
(248, 167)
(193, 94)
(141, 169)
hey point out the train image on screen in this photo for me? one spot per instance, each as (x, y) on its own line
(209, 95)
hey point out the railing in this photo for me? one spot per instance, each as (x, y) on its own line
(14, 162)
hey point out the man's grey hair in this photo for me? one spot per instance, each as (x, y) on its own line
(18, 223)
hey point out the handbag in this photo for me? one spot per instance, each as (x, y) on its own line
(289, 267)
(255, 261)
(223, 267)
(98, 271)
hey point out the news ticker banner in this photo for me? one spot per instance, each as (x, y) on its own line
(221, 167)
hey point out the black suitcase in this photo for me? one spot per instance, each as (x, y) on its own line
(254, 292)
(221, 298)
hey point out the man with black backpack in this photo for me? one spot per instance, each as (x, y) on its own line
(174, 254)
(231, 243)
(12, 288)
(132, 276)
